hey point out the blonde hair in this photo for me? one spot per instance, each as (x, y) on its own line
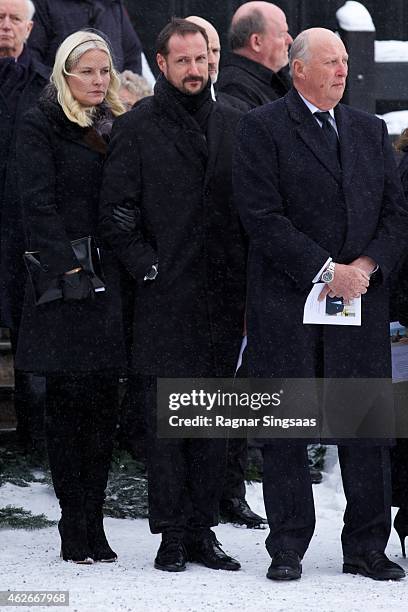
(68, 55)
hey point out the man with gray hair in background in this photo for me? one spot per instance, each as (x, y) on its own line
(255, 71)
(21, 81)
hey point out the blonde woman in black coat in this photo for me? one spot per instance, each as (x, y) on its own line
(76, 341)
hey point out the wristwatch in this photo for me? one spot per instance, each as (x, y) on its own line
(153, 272)
(328, 274)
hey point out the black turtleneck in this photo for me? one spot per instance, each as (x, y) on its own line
(199, 105)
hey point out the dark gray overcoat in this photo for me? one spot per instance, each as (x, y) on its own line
(298, 209)
(60, 166)
(189, 321)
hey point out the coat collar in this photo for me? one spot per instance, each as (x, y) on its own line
(313, 137)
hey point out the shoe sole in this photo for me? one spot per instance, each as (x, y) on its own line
(353, 569)
(284, 575)
(168, 569)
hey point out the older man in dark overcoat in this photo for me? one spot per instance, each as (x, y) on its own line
(170, 167)
(21, 81)
(321, 200)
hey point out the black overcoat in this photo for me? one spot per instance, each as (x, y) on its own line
(54, 20)
(12, 240)
(250, 81)
(299, 209)
(188, 322)
(60, 171)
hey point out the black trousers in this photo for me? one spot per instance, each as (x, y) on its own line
(237, 459)
(185, 477)
(81, 417)
(289, 499)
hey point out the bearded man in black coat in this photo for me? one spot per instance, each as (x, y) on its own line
(169, 167)
(21, 81)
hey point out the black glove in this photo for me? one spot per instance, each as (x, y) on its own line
(124, 218)
(76, 286)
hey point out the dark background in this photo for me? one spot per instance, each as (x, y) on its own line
(390, 16)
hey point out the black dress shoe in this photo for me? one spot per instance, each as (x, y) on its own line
(373, 564)
(207, 550)
(171, 556)
(285, 566)
(236, 510)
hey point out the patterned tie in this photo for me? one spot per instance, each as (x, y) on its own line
(329, 132)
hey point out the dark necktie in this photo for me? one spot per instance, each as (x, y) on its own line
(329, 131)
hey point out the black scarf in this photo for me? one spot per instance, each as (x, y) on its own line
(192, 112)
(14, 75)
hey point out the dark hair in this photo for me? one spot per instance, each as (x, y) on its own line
(178, 26)
(241, 29)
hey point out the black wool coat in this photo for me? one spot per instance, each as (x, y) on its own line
(54, 20)
(12, 239)
(251, 82)
(60, 172)
(298, 209)
(189, 321)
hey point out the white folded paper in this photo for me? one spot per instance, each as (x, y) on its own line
(331, 311)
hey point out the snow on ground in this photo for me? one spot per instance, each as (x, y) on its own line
(29, 560)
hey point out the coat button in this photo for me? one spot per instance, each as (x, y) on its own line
(45, 268)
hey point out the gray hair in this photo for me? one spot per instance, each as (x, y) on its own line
(135, 84)
(299, 49)
(242, 29)
(30, 9)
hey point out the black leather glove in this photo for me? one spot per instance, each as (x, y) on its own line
(124, 218)
(76, 286)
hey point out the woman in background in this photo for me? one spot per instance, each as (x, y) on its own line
(76, 341)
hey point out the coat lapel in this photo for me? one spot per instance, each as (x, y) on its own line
(311, 134)
(214, 133)
(348, 136)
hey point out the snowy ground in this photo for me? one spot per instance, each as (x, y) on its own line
(29, 560)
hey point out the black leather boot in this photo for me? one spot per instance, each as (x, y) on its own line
(98, 544)
(74, 540)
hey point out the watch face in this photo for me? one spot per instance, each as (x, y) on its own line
(327, 276)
